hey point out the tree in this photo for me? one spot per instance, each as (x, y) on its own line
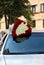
(12, 9)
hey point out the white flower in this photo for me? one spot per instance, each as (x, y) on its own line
(21, 29)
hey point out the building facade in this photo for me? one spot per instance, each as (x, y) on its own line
(2, 24)
(37, 7)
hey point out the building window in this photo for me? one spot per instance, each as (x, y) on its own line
(0, 25)
(33, 8)
(43, 23)
(33, 23)
(42, 7)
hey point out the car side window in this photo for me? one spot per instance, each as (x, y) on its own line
(35, 44)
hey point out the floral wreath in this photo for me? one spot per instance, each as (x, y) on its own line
(21, 28)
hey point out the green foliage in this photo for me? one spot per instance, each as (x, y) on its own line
(15, 8)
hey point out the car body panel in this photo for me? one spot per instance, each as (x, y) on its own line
(31, 59)
(2, 62)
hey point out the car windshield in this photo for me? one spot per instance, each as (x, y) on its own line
(34, 44)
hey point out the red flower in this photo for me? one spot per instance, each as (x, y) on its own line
(16, 24)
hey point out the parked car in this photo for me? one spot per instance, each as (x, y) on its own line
(25, 52)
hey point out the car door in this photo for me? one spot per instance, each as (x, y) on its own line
(28, 52)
